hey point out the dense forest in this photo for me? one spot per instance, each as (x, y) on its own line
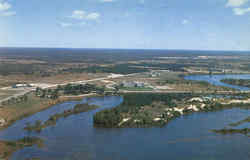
(132, 105)
(118, 69)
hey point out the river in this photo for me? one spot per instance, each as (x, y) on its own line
(187, 137)
(216, 79)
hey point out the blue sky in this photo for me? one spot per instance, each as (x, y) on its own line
(147, 24)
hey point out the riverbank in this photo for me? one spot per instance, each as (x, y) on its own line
(11, 113)
(7, 148)
(38, 126)
(153, 111)
(238, 82)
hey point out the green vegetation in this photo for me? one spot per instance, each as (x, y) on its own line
(7, 69)
(136, 88)
(16, 100)
(39, 126)
(26, 142)
(148, 109)
(238, 82)
(244, 131)
(9, 147)
(69, 89)
(176, 67)
(246, 120)
(118, 69)
(140, 108)
(182, 81)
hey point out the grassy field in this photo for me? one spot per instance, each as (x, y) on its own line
(136, 88)
(172, 81)
(7, 93)
(14, 112)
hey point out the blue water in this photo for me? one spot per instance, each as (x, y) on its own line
(187, 137)
(215, 80)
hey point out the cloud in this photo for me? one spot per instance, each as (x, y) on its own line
(185, 21)
(82, 15)
(4, 6)
(5, 9)
(241, 11)
(236, 3)
(78, 14)
(93, 16)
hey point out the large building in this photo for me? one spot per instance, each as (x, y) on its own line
(133, 84)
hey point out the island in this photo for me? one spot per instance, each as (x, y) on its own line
(149, 110)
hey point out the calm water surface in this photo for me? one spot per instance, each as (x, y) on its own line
(187, 137)
(215, 79)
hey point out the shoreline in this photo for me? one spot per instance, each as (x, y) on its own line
(163, 114)
(5, 149)
(43, 107)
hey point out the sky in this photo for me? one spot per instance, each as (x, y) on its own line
(134, 24)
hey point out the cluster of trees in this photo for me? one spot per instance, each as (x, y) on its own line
(118, 69)
(81, 89)
(126, 68)
(16, 100)
(27, 69)
(69, 89)
(47, 93)
(177, 67)
(8, 68)
(182, 81)
(239, 82)
(132, 105)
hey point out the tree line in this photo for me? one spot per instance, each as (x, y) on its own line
(69, 89)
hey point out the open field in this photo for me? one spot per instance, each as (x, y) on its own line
(169, 81)
(7, 93)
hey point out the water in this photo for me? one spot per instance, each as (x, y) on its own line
(187, 137)
(215, 80)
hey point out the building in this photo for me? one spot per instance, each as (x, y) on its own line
(133, 84)
(21, 85)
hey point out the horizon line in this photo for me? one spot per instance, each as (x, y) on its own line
(76, 48)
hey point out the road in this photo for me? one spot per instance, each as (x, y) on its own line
(27, 90)
(112, 76)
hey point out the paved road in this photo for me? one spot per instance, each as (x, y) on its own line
(122, 91)
(27, 90)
